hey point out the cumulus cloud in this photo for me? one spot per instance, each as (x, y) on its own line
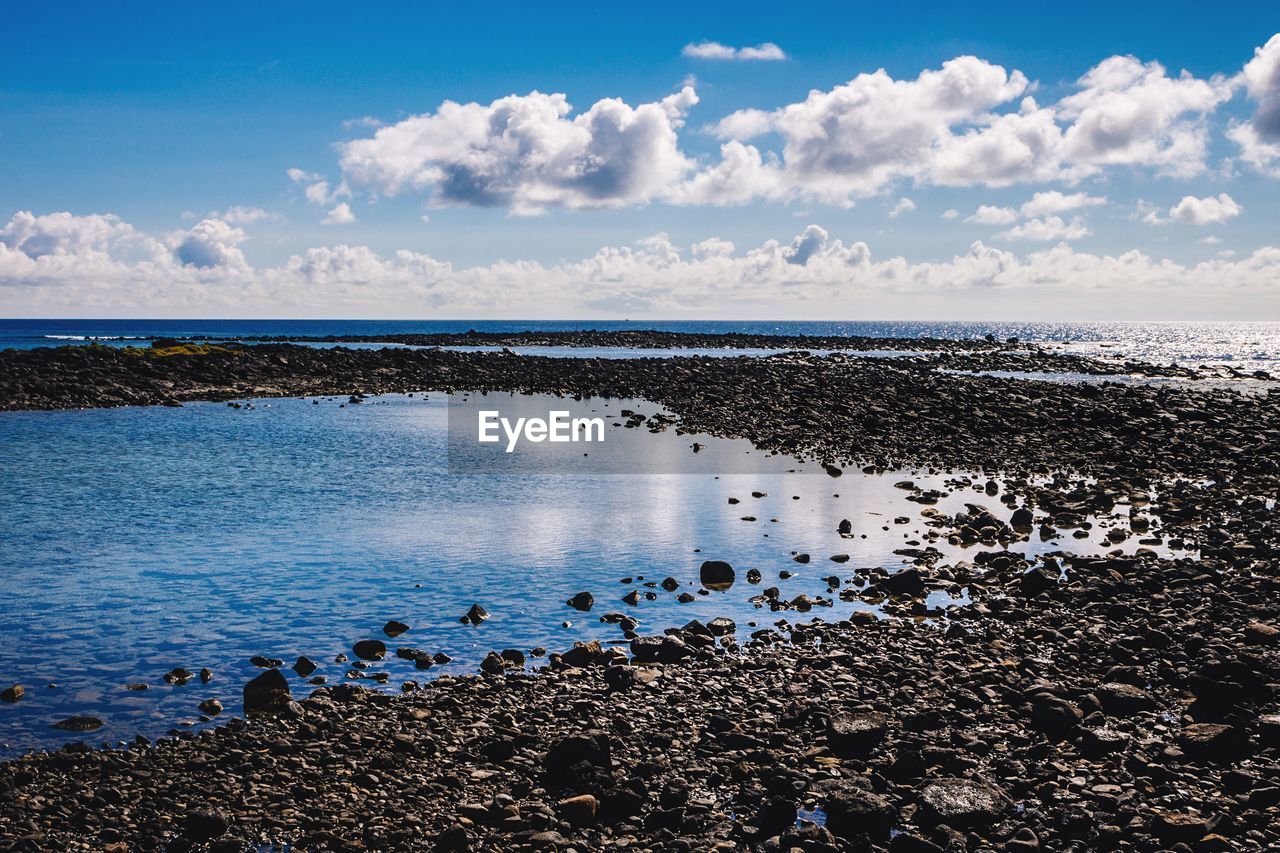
(102, 263)
(211, 243)
(1205, 211)
(990, 214)
(901, 206)
(1046, 229)
(966, 123)
(1056, 202)
(1259, 138)
(526, 153)
(1130, 113)
(339, 215)
(715, 50)
(972, 123)
(950, 213)
(860, 137)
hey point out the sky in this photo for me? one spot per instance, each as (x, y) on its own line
(711, 160)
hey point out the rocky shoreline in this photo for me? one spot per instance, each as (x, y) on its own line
(1116, 702)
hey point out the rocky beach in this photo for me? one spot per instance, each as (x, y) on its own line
(1071, 701)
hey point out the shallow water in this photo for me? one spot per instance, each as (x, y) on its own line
(1247, 346)
(136, 540)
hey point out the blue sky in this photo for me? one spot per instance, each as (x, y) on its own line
(173, 115)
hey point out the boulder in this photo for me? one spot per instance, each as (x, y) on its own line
(267, 694)
(716, 574)
(962, 803)
(855, 734)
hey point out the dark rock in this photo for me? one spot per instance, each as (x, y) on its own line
(12, 694)
(394, 628)
(1124, 700)
(716, 574)
(582, 601)
(370, 649)
(304, 666)
(855, 734)
(905, 582)
(202, 827)
(78, 724)
(1213, 742)
(267, 694)
(475, 615)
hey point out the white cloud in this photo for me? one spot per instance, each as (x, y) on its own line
(1211, 240)
(300, 176)
(1131, 113)
(1055, 202)
(903, 205)
(362, 122)
(945, 128)
(211, 243)
(102, 263)
(860, 137)
(990, 214)
(525, 153)
(1205, 211)
(240, 215)
(714, 50)
(1259, 138)
(712, 247)
(1046, 229)
(339, 215)
(950, 213)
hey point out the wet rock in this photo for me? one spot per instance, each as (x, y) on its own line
(370, 649)
(493, 664)
(1037, 580)
(670, 584)
(720, 626)
(265, 662)
(267, 694)
(716, 574)
(206, 675)
(12, 693)
(304, 666)
(905, 582)
(582, 601)
(475, 615)
(178, 676)
(211, 707)
(78, 724)
(394, 628)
